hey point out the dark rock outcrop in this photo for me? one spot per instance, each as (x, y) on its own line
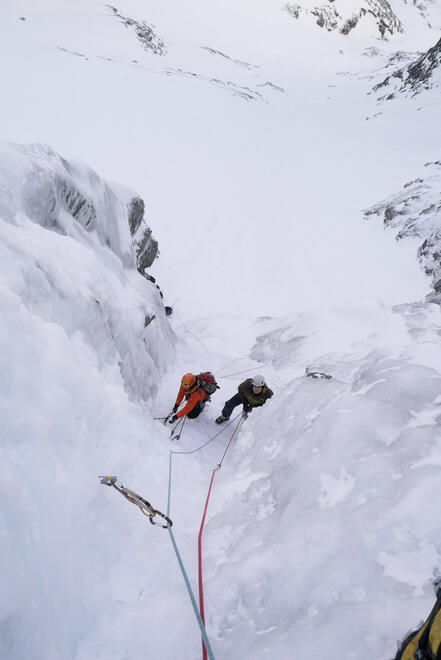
(332, 17)
(416, 211)
(145, 245)
(144, 32)
(415, 77)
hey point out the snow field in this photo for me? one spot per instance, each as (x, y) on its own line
(319, 539)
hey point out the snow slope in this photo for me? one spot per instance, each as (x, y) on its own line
(256, 142)
(322, 537)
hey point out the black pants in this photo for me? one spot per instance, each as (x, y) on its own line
(196, 411)
(231, 404)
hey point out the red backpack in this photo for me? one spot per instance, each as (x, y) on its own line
(207, 382)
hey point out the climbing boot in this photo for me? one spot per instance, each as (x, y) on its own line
(221, 419)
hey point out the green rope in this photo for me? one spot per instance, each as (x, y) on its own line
(183, 571)
(181, 565)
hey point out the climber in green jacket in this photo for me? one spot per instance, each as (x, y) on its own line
(252, 393)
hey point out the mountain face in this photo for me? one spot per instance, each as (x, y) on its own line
(253, 153)
(344, 18)
(416, 212)
(380, 18)
(424, 73)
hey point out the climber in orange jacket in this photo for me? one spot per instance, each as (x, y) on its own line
(195, 396)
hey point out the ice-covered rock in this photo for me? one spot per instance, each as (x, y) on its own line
(71, 245)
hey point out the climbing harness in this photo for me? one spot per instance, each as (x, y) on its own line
(201, 529)
(176, 431)
(144, 506)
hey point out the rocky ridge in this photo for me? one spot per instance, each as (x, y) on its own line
(416, 211)
(421, 74)
(337, 17)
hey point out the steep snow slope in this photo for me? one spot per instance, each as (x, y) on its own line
(255, 143)
(322, 538)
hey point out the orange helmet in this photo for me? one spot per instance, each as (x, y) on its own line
(188, 381)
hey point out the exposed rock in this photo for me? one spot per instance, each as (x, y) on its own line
(77, 205)
(242, 91)
(416, 211)
(241, 63)
(332, 17)
(293, 10)
(76, 270)
(57, 194)
(318, 375)
(415, 77)
(144, 32)
(145, 245)
(148, 319)
(271, 85)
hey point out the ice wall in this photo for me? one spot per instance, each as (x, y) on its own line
(83, 341)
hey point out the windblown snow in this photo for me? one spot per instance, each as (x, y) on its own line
(247, 142)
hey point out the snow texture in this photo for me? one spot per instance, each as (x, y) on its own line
(254, 141)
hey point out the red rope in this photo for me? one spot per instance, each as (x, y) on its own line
(201, 584)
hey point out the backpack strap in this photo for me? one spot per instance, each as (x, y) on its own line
(423, 652)
(200, 389)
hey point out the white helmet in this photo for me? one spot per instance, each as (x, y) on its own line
(258, 381)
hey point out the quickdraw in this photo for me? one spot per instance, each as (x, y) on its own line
(144, 506)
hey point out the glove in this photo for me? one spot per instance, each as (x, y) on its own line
(247, 408)
(173, 419)
(175, 408)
